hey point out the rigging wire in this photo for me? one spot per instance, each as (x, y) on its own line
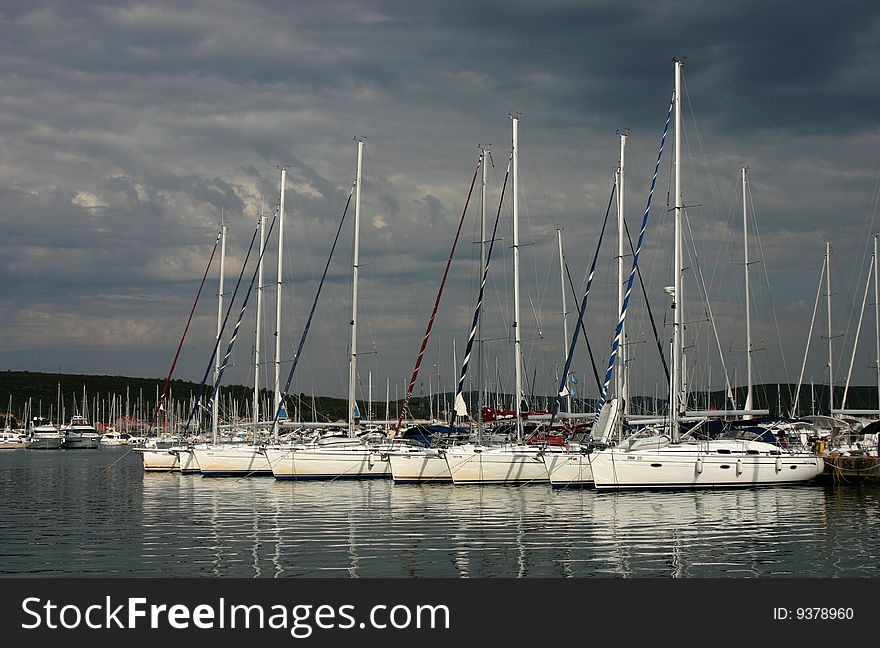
(421, 354)
(285, 395)
(458, 403)
(161, 401)
(234, 335)
(197, 401)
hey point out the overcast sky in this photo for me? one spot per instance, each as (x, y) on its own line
(127, 129)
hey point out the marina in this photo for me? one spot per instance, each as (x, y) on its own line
(389, 291)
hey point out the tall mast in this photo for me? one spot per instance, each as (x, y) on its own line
(215, 414)
(255, 414)
(677, 297)
(877, 318)
(352, 360)
(278, 282)
(828, 303)
(748, 403)
(516, 334)
(484, 154)
(484, 159)
(564, 311)
(620, 382)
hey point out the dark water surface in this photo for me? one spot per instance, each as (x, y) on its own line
(95, 513)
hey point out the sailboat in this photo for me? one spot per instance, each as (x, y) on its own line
(11, 438)
(514, 462)
(332, 456)
(671, 459)
(850, 440)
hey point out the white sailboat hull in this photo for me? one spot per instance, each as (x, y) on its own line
(239, 460)
(514, 464)
(355, 462)
(418, 465)
(568, 468)
(159, 460)
(701, 465)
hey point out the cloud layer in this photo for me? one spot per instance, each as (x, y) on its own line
(128, 129)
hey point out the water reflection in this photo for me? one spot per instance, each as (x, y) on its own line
(74, 517)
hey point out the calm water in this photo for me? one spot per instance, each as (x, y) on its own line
(95, 513)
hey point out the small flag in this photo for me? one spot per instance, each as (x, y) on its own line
(357, 412)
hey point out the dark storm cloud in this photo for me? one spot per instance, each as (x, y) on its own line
(127, 129)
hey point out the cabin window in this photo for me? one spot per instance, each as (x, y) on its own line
(656, 465)
(753, 452)
(724, 466)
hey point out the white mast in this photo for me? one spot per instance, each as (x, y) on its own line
(484, 154)
(516, 334)
(828, 302)
(215, 414)
(620, 375)
(256, 407)
(877, 319)
(352, 361)
(677, 297)
(564, 315)
(748, 403)
(278, 283)
(454, 370)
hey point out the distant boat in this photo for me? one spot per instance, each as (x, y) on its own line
(80, 435)
(12, 440)
(113, 438)
(44, 435)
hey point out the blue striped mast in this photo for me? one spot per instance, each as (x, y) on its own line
(617, 335)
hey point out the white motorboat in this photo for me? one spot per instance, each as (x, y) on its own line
(44, 435)
(80, 434)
